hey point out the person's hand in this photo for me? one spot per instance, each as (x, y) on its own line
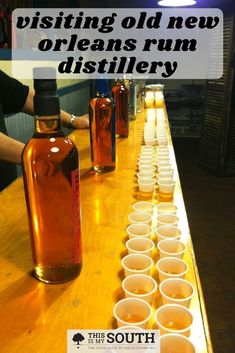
(81, 122)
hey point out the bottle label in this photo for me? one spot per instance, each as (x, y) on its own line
(76, 215)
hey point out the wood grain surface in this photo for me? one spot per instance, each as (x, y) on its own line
(34, 316)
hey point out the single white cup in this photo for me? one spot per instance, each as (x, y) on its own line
(168, 232)
(142, 246)
(147, 148)
(143, 206)
(166, 168)
(175, 343)
(149, 168)
(139, 231)
(166, 207)
(132, 312)
(150, 141)
(145, 173)
(166, 189)
(147, 185)
(147, 179)
(174, 318)
(171, 248)
(149, 133)
(139, 286)
(171, 267)
(140, 217)
(161, 135)
(146, 163)
(136, 264)
(163, 151)
(163, 162)
(145, 159)
(167, 219)
(147, 154)
(176, 291)
(162, 148)
(165, 175)
(169, 180)
(162, 142)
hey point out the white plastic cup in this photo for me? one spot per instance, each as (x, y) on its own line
(171, 267)
(143, 206)
(176, 291)
(136, 264)
(165, 168)
(171, 248)
(146, 164)
(162, 142)
(146, 154)
(175, 343)
(162, 148)
(147, 148)
(168, 232)
(149, 133)
(161, 136)
(132, 312)
(150, 141)
(169, 180)
(174, 318)
(145, 159)
(147, 186)
(142, 246)
(145, 179)
(166, 207)
(139, 231)
(167, 219)
(163, 162)
(139, 286)
(149, 168)
(162, 151)
(140, 217)
(166, 189)
(145, 173)
(165, 175)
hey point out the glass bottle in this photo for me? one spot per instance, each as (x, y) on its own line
(51, 180)
(102, 129)
(132, 100)
(120, 95)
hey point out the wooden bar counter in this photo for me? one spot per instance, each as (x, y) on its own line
(34, 316)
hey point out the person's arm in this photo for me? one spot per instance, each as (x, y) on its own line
(10, 149)
(68, 120)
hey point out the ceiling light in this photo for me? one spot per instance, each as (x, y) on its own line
(176, 3)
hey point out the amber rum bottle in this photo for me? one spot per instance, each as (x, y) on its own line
(120, 95)
(51, 181)
(102, 129)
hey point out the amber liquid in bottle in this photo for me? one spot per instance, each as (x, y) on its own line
(120, 95)
(102, 134)
(50, 165)
(51, 181)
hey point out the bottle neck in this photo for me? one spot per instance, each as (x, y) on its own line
(47, 125)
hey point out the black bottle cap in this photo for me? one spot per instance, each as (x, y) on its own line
(46, 100)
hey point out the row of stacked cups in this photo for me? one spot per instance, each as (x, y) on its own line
(154, 236)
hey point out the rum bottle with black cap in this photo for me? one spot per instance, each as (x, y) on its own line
(52, 188)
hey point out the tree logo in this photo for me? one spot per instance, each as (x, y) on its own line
(78, 338)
